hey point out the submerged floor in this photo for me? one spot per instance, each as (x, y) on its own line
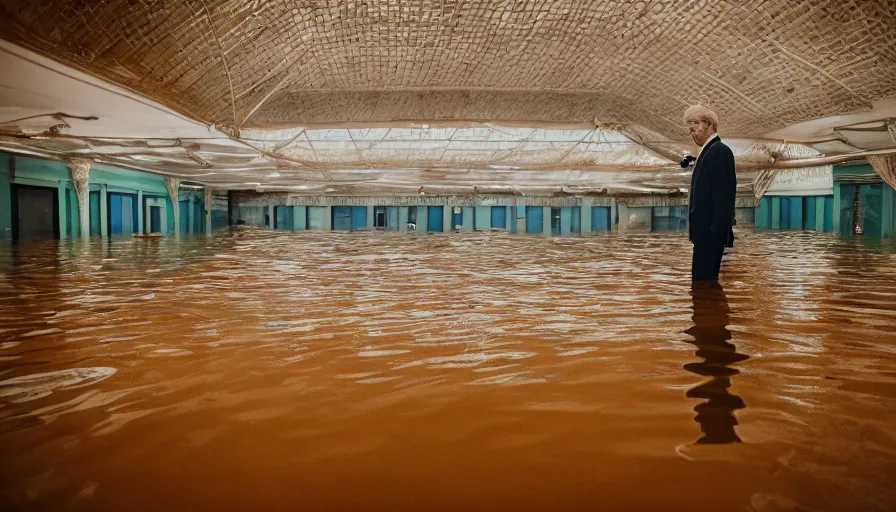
(259, 370)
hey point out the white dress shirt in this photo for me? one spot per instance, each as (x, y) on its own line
(714, 136)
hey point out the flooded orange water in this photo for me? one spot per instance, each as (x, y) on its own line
(480, 371)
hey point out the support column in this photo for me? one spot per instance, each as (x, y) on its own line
(448, 219)
(886, 215)
(328, 218)
(776, 213)
(519, 214)
(565, 220)
(835, 211)
(466, 221)
(483, 217)
(80, 171)
(6, 197)
(63, 212)
(546, 220)
(370, 217)
(272, 215)
(613, 214)
(173, 186)
(622, 212)
(402, 218)
(191, 215)
(207, 204)
(139, 207)
(796, 212)
(104, 211)
(73, 216)
(587, 204)
(299, 217)
(422, 218)
(819, 213)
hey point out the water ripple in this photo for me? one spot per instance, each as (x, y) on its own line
(402, 366)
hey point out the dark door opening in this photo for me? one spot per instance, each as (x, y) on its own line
(575, 219)
(379, 217)
(94, 199)
(35, 212)
(555, 220)
(155, 219)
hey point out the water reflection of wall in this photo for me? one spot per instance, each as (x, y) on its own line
(30, 291)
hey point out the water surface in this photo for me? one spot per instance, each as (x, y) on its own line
(271, 370)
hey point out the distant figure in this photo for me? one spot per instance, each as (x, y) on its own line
(412, 226)
(711, 197)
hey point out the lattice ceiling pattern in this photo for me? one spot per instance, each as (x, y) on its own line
(764, 64)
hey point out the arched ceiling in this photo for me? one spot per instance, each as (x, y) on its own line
(488, 85)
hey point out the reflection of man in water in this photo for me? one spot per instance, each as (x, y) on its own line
(711, 335)
(711, 196)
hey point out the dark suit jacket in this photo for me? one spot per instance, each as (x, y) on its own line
(711, 201)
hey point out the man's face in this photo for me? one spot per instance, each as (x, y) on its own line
(700, 130)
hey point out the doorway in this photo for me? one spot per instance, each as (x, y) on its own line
(35, 212)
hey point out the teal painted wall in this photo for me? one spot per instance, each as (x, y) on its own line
(483, 217)
(809, 213)
(846, 208)
(857, 167)
(871, 204)
(876, 201)
(5, 198)
(828, 214)
(585, 212)
(601, 218)
(796, 213)
(835, 213)
(422, 218)
(888, 209)
(299, 217)
(776, 212)
(467, 218)
(877, 213)
(763, 217)
(318, 217)
(103, 179)
(565, 220)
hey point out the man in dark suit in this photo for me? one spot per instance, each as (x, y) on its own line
(711, 198)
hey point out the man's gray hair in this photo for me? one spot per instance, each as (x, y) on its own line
(703, 113)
